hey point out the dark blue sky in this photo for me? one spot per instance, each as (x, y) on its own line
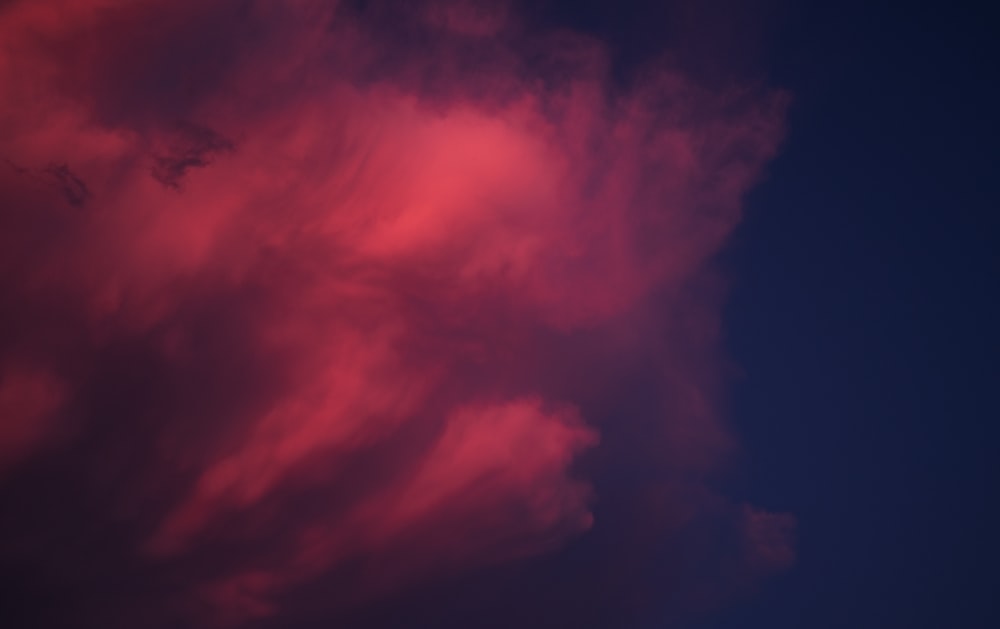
(864, 312)
(864, 304)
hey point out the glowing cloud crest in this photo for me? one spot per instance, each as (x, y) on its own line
(296, 288)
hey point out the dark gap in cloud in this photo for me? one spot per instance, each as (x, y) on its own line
(72, 187)
(17, 169)
(193, 146)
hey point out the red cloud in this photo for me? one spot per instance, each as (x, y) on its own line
(387, 282)
(28, 401)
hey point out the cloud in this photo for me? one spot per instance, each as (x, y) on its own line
(344, 291)
(28, 401)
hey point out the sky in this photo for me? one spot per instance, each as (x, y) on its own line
(374, 314)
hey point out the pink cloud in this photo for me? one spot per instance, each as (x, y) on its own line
(372, 275)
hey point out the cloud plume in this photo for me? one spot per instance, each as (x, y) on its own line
(321, 297)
